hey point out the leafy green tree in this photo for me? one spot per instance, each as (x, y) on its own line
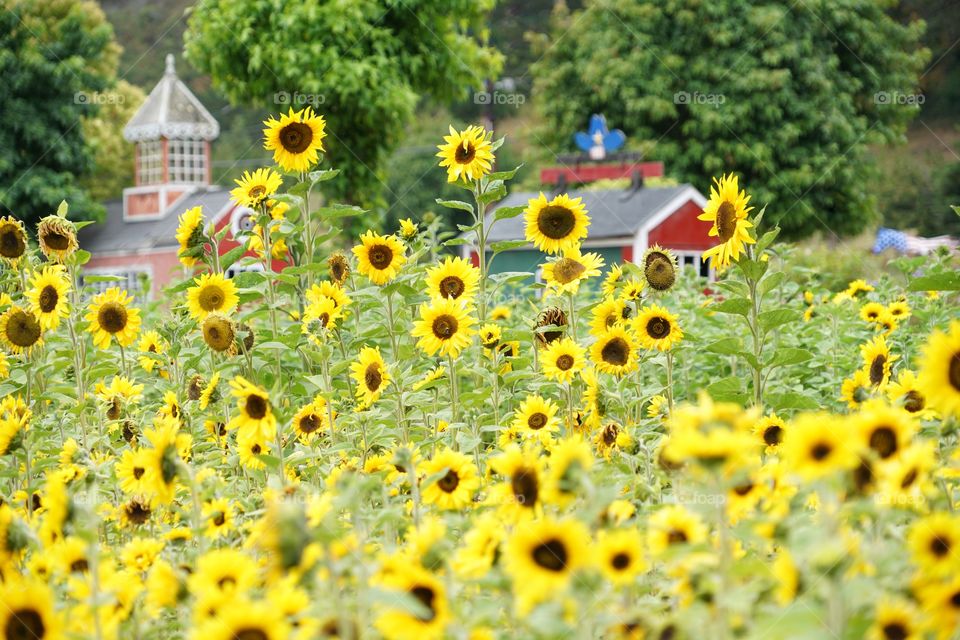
(57, 60)
(786, 95)
(364, 64)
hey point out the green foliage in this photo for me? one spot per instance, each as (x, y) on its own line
(787, 97)
(57, 58)
(364, 64)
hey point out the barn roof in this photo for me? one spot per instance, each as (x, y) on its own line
(117, 235)
(614, 213)
(171, 111)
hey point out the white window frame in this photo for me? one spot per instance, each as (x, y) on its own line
(149, 162)
(694, 259)
(187, 161)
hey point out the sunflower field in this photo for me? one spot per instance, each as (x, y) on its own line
(389, 441)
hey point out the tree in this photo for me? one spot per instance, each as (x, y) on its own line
(57, 58)
(787, 96)
(364, 64)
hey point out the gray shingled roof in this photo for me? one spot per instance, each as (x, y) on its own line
(614, 213)
(172, 111)
(116, 234)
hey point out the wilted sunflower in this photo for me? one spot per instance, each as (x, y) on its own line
(551, 325)
(219, 333)
(253, 188)
(339, 268)
(190, 236)
(57, 238)
(615, 352)
(877, 361)
(371, 375)
(620, 556)
(211, 293)
(26, 610)
(555, 225)
(657, 328)
(536, 414)
(466, 154)
(940, 370)
(20, 330)
(445, 325)
(110, 317)
(256, 414)
(565, 274)
(659, 269)
(13, 239)
(379, 257)
(542, 556)
(455, 480)
(427, 618)
(562, 360)
(295, 139)
(454, 278)
(727, 209)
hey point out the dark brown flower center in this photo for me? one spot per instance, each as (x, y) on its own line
(726, 221)
(250, 633)
(338, 268)
(465, 153)
(660, 271)
(820, 451)
(525, 487)
(676, 536)
(877, 370)
(296, 137)
(257, 192)
(309, 423)
(55, 240)
(620, 561)
(452, 287)
(24, 624)
(566, 270)
(883, 440)
(48, 298)
(658, 328)
(372, 377)
(914, 401)
(551, 555)
(256, 406)
(136, 511)
(556, 222)
(565, 362)
(953, 375)
(23, 330)
(219, 518)
(445, 326)
(12, 243)
(79, 566)
(909, 478)
(426, 596)
(773, 435)
(537, 420)
(616, 352)
(449, 482)
(940, 546)
(112, 317)
(380, 256)
(138, 472)
(895, 631)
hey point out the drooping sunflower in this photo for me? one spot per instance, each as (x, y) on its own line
(555, 225)
(256, 413)
(13, 240)
(550, 326)
(815, 445)
(254, 188)
(940, 370)
(445, 325)
(564, 274)
(26, 610)
(20, 330)
(615, 352)
(727, 209)
(339, 268)
(466, 154)
(57, 238)
(371, 375)
(674, 525)
(426, 617)
(219, 333)
(620, 556)
(454, 278)
(110, 316)
(536, 414)
(934, 544)
(562, 360)
(657, 328)
(884, 429)
(190, 236)
(456, 480)
(295, 139)
(379, 257)
(211, 293)
(877, 361)
(542, 556)
(660, 269)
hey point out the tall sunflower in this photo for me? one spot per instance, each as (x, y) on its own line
(466, 154)
(608, 313)
(727, 209)
(660, 269)
(254, 188)
(211, 293)
(13, 240)
(110, 316)
(190, 236)
(20, 330)
(454, 278)
(657, 328)
(57, 238)
(940, 370)
(615, 352)
(562, 360)
(555, 225)
(454, 480)
(445, 325)
(564, 274)
(379, 257)
(295, 139)
(371, 375)
(542, 556)
(256, 413)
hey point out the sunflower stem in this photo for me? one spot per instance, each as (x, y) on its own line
(271, 292)
(670, 382)
(455, 396)
(390, 327)
(481, 249)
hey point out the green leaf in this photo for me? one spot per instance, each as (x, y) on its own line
(506, 245)
(771, 282)
(726, 346)
(736, 287)
(776, 317)
(739, 306)
(789, 355)
(62, 209)
(455, 204)
(230, 257)
(504, 175)
(946, 281)
(505, 213)
(728, 389)
(790, 400)
(766, 240)
(323, 175)
(493, 195)
(335, 211)
(752, 269)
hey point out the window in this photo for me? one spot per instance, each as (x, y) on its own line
(150, 160)
(693, 260)
(187, 161)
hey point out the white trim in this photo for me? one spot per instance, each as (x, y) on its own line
(642, 240)
(162, 191)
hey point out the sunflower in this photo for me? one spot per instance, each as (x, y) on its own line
(190, 236)
(521, 470)
(423, 612)
(615, 352)
(253, 188)
(408, 228)
(13, 240)
(339, 268)
(556, 225)
(110, 317)
(857, 288)
(250, 446)
(371, 375)
(500, 313)
(612, 280)
(674, 525)
(907, 393)
(27, 610)
(550, 326)
(727, 209)
(295, 139)
(219, 333)
(57, 238)
(445, 325)
(135, 512)
(884, 429)
(256, 414)
(536, 415)
(899, 309)
(327, 289)
(466, 154)
(877, 361)
(815, 445)
(241, 619)
(210, 393)
(211, 293)
(564, 274)
(657, 328)
(770, 430)
(311, 419)
(940, 370)
(131, 471)
(153, 345)
(608, 313)
(481, 548)
(562, 360)
(905, 479)
(870, 311)
(278, 245)
(219, 517)
(934, 544)
(379, 257)
(856, 389)
(633, 290)
(20, 330)
(542, 556)
(619, 555)
(454, 278)
(165, 459)
(660, 269)
(452, 480)
(431, 376)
